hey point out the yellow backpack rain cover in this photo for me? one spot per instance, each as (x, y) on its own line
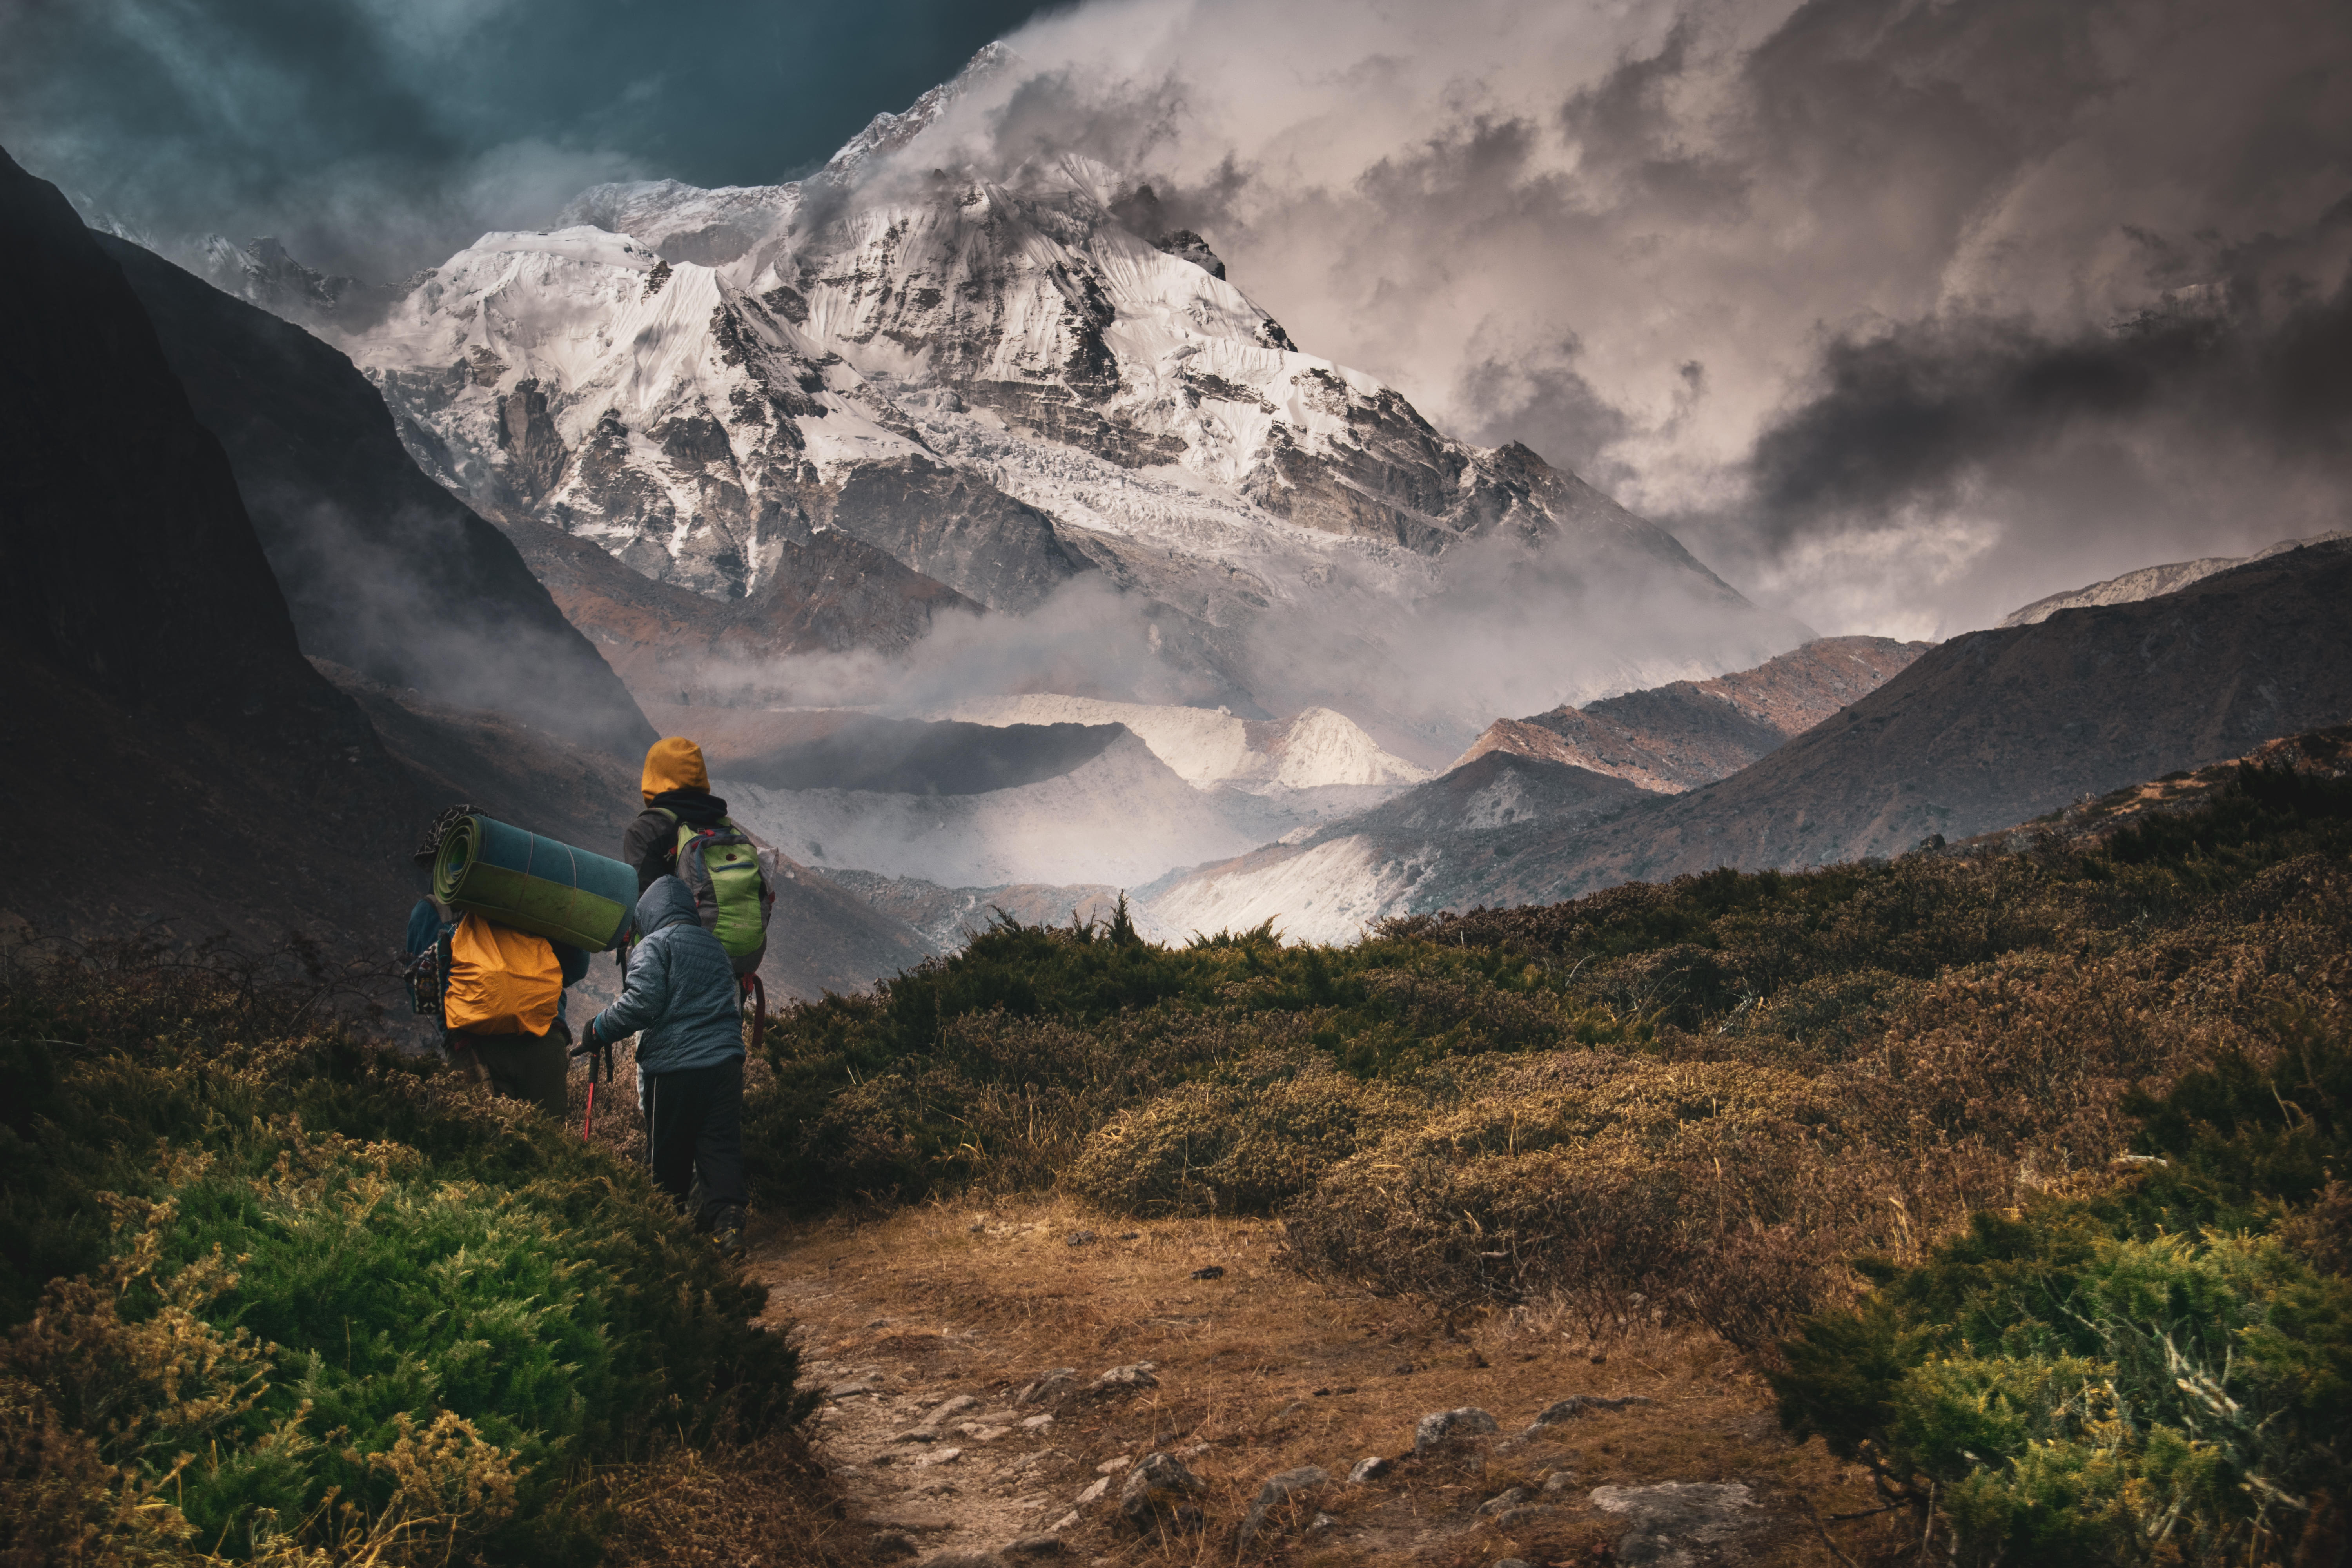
(501, 980)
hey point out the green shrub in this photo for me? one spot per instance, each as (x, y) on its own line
(2154, 1372)
(325, 1296)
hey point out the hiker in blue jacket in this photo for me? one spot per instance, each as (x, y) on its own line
(681, 1000)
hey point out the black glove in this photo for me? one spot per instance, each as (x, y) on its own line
(586, 1045)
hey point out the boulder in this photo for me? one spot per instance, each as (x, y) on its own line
(1120, 1381)
(1667, 1521)
(1441, 1427)
(1277, 1491)
(1158, 1494)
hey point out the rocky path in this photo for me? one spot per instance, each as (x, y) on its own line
(1033, 1382)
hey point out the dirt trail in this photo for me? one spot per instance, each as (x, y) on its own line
(927, 1326)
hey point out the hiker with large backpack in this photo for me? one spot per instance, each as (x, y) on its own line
(682, 1001)
(498, 991)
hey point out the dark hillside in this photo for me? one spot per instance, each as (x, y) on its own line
(172, 753)
(1985, 731)
(383, 570)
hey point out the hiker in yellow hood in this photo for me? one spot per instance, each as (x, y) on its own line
(677, 787)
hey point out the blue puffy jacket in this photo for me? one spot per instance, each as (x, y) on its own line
(681, 991)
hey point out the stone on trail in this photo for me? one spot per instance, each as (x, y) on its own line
(914, 1517)
(1212, 1271)
(1277, 1491)
(954, 1559)
(1510, 1562)
(1122, 1380)
(943, 1456)
(889, 1545)
(1669, 1519)
(1051, 1387)
(1113, 1466)
(1528, 1517)
(938, 1416)
(1370, 1470)
(1502, 1502)
(1155, 1493)
(1094, 1491)
(1576, 1404)
(1443, 1426)
(1045, 1543)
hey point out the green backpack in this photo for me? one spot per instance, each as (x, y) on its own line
(733, 890)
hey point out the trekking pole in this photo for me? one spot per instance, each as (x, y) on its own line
(759, 1010)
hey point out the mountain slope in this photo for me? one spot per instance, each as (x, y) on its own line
(1988, 730)
(383, 570)
(1210, 746)
(158, 699)
(1675, 737)
(2147, 582)
(1332, 884)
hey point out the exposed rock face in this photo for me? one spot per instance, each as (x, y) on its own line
(1001, 381)
(383, 570)
(828, 596)
(1690, 733)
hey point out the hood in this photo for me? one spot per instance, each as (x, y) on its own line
(666, 903)
(674, 763)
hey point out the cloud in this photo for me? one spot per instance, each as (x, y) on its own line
(375, 137)
(1803, 281)
(1826, 286)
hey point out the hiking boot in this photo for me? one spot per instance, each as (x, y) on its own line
(727, 1231)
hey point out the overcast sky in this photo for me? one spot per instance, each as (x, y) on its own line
(1899, 313)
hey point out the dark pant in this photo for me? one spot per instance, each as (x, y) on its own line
(693, 1127)
(528, 1066)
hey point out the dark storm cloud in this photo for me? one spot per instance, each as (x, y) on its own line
(1934, 410)
(378, 135)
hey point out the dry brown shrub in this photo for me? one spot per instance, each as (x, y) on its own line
(1242, 1143)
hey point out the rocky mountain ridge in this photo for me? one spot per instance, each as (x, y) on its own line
(1690, 733)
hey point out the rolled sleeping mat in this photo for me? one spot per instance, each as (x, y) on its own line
(542, 885)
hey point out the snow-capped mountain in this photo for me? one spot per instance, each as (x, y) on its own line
(1005, 379)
